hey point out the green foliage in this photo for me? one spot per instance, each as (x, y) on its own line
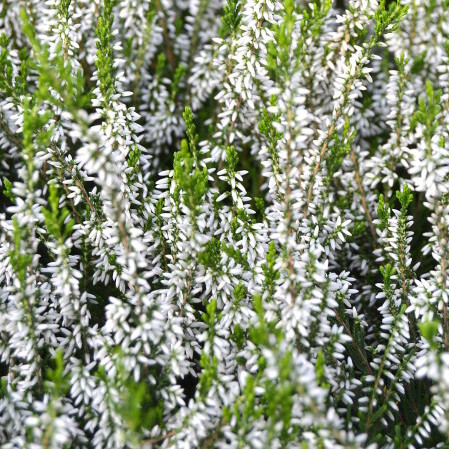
(239, 292)
(388, 20)
(266, 126)
(192, 135)
(7, 191)
(271, 274)
(6, 75)
(211, 256)
(20, 261)
(63, 8)
(161, 63)
(236, 254)
(193, 182)
(319, 367)
(177, 79)
(279, 54)
(208, 362)
(232, 159)
(383, 212)
(231, 18)
(137, 406)
(104, 61)
(427, 113)
(405, 197)
(387, 272)
(133, 159)
(429, 330)
(338, 150)
(56, 218)
(58, 379)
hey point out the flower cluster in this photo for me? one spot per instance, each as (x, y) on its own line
(224, 224)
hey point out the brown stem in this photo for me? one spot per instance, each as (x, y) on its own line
(362, 194)
(317, 167)
(78, 182)
(354, 343)
(168, 49)
(160, 438)
(210, 441)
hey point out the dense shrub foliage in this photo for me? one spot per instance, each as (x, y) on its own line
(224, 224)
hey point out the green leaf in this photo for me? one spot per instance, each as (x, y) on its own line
(7, 191)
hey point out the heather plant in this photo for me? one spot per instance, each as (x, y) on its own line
(224, 224)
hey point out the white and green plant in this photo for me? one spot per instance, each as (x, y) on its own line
(224, 224)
